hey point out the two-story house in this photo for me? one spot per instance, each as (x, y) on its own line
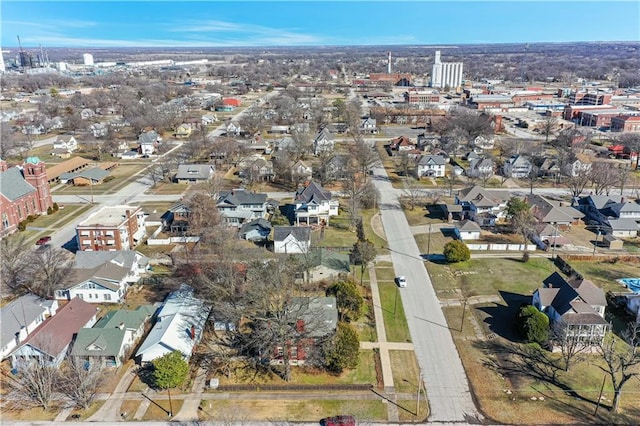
(430, 166)
(20, 318)
(368, 125)
(578, 305)
(483, 206)
(517, 166)
(239, 206)
(324, 141)
(480, 168)
(103, 276)
(314, 205)
(148, 142)
(65, 142)
(194, 173)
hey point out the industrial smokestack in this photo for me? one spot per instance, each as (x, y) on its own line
(389, 63)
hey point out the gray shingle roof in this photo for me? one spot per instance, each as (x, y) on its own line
(301, 233)
(238, 197)
(312, 192)
(320, 314)
(13, 185)
(194, 171)
(20, 313)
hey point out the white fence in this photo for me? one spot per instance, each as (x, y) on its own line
(171, 240)
(501, 247)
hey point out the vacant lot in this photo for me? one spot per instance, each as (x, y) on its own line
(605, 273)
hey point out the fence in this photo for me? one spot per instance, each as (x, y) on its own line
(285, 388)
(501, 247)
(171, 240)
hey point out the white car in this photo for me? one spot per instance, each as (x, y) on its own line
(402, 281)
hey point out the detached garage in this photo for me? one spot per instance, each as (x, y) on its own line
(468, 230)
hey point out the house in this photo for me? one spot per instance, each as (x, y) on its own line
(98, 130)
(239, 206)
(50, 341)
(314, 205)
(24, 191)
(111, 228)
(301, 171)
(578, 304)
(178, 327)
(480, 168)
(324, 141)
(86, 177)
(256, 169)
(328, 264)
(483, 143)
(368, 125)
(633, 305)
(550, 168)
(258, 230)
(194, 173)
(605, 208)
(482, 205)
(208, 119)
(291, 239)
(517, 166)
(87, 113)
(314, 319)
(183, 131)
(65, 142)
(577, 167)
(612, 243)
(401, 143)
(233, 129)
(103, 276)
(108, 343)
(553, 212)
(148, 142)
(468, 230)
(176, 219)
(624, 228)
(430, 166)
(549, 236)
(20, 318)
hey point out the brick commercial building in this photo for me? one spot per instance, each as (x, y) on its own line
(625, 123)
(111, 228)
(24, 191)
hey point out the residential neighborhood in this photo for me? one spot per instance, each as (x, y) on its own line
(424, 235)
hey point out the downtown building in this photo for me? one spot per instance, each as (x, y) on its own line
(446, 74)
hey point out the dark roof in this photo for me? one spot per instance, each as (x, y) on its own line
(312, 192)
(237, 197)
(300, 233)
(432, 159)
(319, 314)
(256, 223)
(576, 296)
(13, 185)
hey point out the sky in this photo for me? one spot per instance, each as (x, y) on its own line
(212, 23)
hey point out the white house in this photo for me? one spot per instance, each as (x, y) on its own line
(291, 239)
(314, 205)
(148, 142)
(66, 142)
(324, 141)
(431, 166)
(468, 230)
(368, 125)
(20, 318)
(481, 205)
(517, 166)
(98, 130)
(179, 326)
(301, 171)
(578, 304)
(482, 143)
(480, 168)
(103, 276)
(233, 129)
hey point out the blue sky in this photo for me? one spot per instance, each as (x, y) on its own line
(313, 23)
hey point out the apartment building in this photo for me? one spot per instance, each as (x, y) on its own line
(111, 228)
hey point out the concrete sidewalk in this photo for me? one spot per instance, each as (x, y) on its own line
(110, 411)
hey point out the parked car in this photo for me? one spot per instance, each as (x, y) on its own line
(338, 421)
(402, 281)
(43, 240)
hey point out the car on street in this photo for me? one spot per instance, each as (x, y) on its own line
(402, 281)
(43, 240)
(338, 421)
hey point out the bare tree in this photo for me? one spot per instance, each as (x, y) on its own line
(576, 183)
(548, 126)
(34, 385)
(571, 344)
(405, 164)
(364, 156)
(621, 359)
(15, 265)
(604, 177)
(80, 381)
(52, 270)
(412, 191)
(252, 121)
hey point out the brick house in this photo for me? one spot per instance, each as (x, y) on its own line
(111, 228)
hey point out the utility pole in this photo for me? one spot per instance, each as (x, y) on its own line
(418, 395)
(595, 243)
(429, 243)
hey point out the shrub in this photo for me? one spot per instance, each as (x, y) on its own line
(525, 257)
(456, 251)
(31, 218)
(350, 302)
(108, 179)
(22, 226)
(533, 325)
(343, 350)
(55, 207)
(49, 210)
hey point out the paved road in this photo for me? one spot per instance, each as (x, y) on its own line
(446, 382)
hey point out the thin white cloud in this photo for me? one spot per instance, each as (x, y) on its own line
(53, 24)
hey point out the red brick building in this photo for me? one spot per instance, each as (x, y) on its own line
(234, 102)
(572, 112)
(625, 123)
(421, 97)
(111, 228)
(24, 191)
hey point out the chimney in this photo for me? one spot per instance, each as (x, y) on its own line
(121, 326)
(193, 332)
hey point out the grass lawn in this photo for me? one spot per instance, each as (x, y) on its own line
(85, 414)
(604, 274)
(33, 414)
(395, 323)
(434, 243)
(129, 406)
(405, 371)
(368, 222)
(159, 408)
(407, 410)
(488, 276)
(169, 188)
(121, 175)
(288, 410)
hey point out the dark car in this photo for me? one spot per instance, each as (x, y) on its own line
(338, 421)
(43, 240)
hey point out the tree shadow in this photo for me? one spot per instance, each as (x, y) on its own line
(501, 318)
